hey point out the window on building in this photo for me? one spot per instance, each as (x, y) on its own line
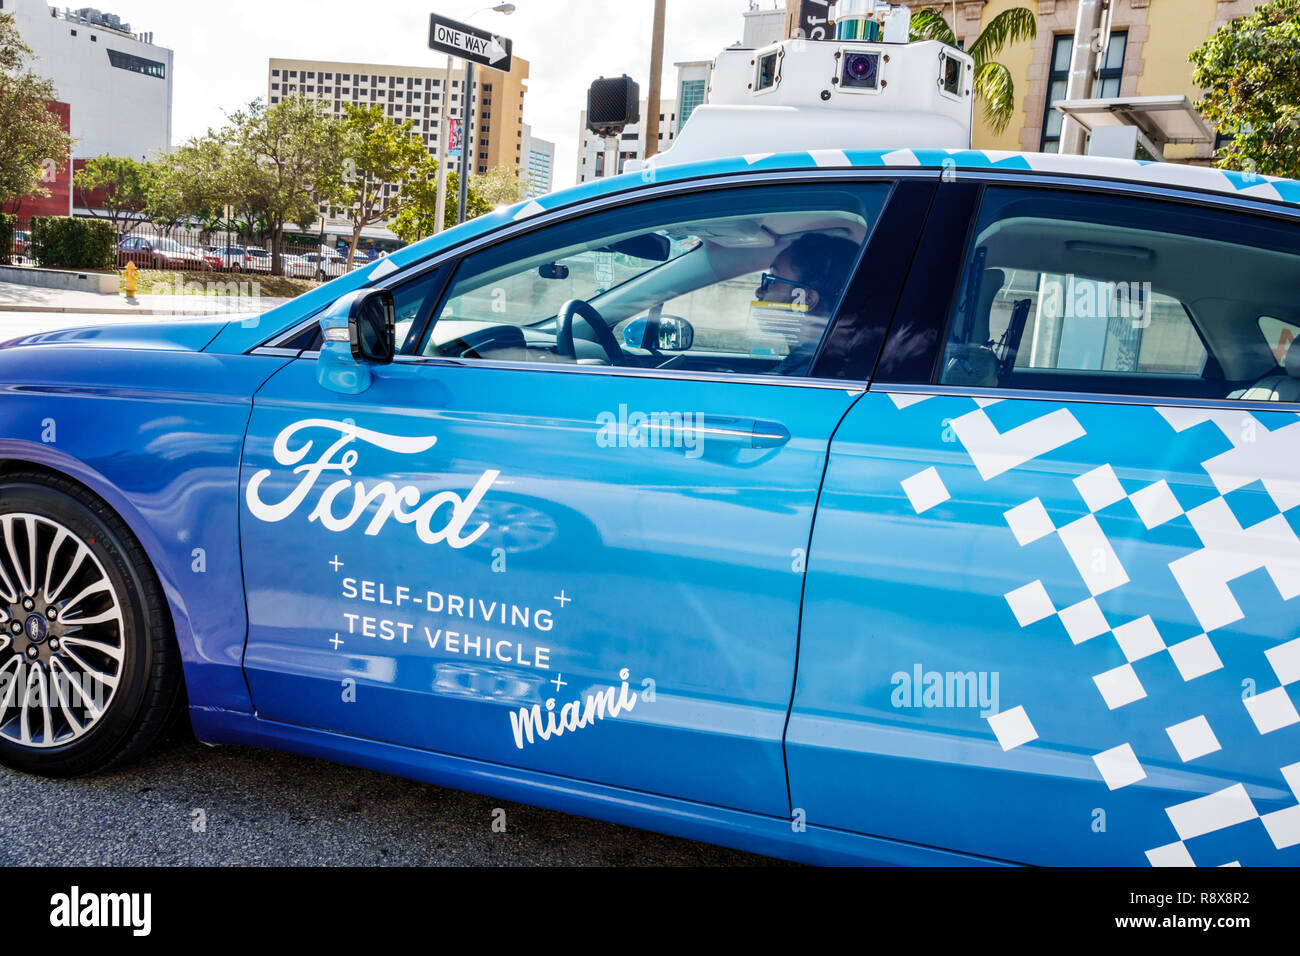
(137, 64)
(275, 72)
(1109, 78)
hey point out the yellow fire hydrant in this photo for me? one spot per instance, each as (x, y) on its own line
(130, 272)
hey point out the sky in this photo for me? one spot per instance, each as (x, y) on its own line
(222, 48)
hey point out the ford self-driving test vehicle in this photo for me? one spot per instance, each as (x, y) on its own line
(881, 501)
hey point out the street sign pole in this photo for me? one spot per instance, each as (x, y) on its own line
(467, 150)
(444, 134)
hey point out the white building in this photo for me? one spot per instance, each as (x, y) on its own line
(118, 83)
(595, 160)
(692, 88)
(539, 164)
(763, 27)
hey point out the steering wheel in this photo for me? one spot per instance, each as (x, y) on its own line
(604, 335)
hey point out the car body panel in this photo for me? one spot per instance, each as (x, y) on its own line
(582, 526)
(985, 571)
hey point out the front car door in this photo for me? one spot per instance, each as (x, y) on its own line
(1053, 602)
(576, 550)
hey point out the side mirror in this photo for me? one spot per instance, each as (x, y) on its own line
(675, 334)
(359, 331)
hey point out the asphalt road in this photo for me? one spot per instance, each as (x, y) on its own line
(265, 808)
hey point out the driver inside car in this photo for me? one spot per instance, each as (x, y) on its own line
(795, 298)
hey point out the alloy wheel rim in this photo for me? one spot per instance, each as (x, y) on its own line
(62, 634)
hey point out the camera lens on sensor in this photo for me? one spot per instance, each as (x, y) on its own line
(861, 70)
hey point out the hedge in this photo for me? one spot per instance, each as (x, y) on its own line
(8, 224)
(62, 242)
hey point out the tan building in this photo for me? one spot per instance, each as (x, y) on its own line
(415, 93)
(1150, 43)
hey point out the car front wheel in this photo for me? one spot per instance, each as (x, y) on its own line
(89, 671)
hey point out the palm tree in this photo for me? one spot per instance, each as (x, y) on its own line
(993, 82)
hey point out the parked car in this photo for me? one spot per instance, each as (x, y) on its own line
(856, 505)
(22, 243)
(314, 263)
(256, 259)
(158, 253)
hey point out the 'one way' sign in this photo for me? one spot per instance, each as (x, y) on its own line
(467, 42)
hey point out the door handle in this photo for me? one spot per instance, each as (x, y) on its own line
(749, 432)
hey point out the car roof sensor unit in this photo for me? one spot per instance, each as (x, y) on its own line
(868, 88)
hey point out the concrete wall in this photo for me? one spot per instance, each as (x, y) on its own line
(102, 282)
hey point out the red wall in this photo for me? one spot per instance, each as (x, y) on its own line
(59, 201)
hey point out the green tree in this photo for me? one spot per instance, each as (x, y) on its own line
(279, 162)
(190, 182)
(386, 170)
(1250, 74)
(33, 145)
(993, 81)
(125, 183)
(499, 187)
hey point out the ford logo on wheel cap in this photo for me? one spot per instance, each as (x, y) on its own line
(36, 628)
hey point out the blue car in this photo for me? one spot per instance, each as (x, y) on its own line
(908, 506)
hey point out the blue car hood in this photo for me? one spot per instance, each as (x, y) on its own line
(185, 335)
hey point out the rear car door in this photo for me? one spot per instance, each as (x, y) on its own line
(605, 583)
(1053, 603)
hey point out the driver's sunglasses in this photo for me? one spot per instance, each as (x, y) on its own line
(768, 280)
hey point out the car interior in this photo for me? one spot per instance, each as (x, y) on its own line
(1166, 313)
(677, 297)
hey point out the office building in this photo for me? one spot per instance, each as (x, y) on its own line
(415, 93)
(539, 168)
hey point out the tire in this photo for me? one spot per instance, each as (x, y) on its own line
(113, 684)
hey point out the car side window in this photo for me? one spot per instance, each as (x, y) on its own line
(1069, 291)
(742, 280)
